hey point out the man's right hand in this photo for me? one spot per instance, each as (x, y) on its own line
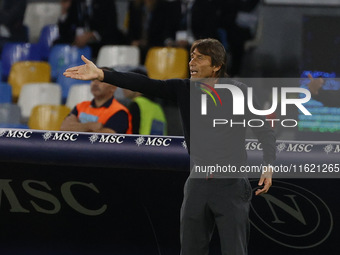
(86, 72)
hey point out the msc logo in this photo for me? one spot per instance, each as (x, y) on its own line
(42, 197)
(153, 141)
(65, 137)
(107, 138)
(61, 136)
(19, 134)
(292, 216)
(252, 146)
(298, 147)
(112, 139)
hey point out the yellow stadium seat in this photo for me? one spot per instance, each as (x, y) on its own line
(28, 72)
(48, 117)
(167, 63)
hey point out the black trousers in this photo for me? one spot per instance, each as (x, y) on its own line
(215, 201)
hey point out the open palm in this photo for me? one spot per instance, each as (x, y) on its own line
(88, 71)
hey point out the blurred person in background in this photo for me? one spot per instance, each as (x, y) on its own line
(199, 20)
(148, 117)
(104, 114)
(152, 23)
(89, 22)
(12, 28)
(232, 15)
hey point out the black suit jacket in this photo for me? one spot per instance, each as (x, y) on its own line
(204, 19)
(12, 16)
(164, 22)
(103, 19)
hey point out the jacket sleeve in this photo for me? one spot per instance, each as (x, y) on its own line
(158, 88)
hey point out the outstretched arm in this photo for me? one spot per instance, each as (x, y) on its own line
(136, 82)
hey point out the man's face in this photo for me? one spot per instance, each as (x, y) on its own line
(200, 66)
(102, 90)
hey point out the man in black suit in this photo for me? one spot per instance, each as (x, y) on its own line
(199, 19)
(92, 23)
(152, 23)
(236, 35)
(11, 22)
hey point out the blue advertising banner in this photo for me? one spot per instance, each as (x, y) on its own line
(84, 193)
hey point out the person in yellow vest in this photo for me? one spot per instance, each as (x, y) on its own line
(148, 117)
(104, 114)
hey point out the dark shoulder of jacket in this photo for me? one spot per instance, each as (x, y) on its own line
(239, 84)
(181, 84)
(234, 82)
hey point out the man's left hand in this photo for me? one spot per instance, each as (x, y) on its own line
(266, 180)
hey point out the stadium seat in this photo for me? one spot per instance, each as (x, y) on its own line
(63, 56)
(48, 117)
(66, 84)
(167, 63)
(9, 125)
(39, 14)
(118, 55)
(77, 94)
(28, 72)
(48, 35)
(10, 114)
(14, 52)
(33, 94)
(5, 93)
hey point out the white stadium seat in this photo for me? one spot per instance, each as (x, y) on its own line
(40, 14)
(33, 94)
(118, 55)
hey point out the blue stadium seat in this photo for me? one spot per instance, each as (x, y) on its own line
(48, 35)
(14, 52)
(64, 55)
(5, 93)
(10, 125)
(35, 52)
